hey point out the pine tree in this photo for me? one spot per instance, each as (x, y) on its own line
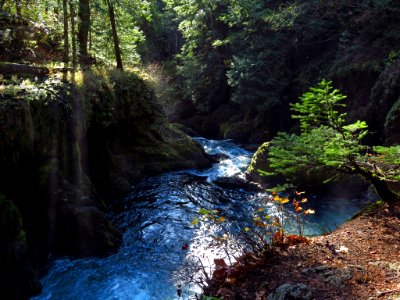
(328, 145)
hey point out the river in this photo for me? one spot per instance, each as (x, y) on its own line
(163, 250)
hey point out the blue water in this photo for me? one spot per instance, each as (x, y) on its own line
(155, 219)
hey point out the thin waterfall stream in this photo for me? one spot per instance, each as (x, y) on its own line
(159, 241)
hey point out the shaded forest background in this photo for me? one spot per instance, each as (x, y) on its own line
(226, 69)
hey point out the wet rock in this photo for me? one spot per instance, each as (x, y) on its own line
(298, 291)
(236, 183)
(80, 228)
(219, 157)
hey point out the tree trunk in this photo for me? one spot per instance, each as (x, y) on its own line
(83, 31)
(114, 34)
(66, 44)
(383, 190)
(72, 13)
(18, 8)
(381, 186)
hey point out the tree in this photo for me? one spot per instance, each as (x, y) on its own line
(73, 38)
(117, 50)
(327, 144)
(83, 31)
(65, 22)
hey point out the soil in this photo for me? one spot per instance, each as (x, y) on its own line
(359, 260)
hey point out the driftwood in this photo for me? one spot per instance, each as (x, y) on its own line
(10, 68)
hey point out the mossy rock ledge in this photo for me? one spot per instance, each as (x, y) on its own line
(66, 150)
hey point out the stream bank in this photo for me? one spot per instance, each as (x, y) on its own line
(67, 148)
(359, 260)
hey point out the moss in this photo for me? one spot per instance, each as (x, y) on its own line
(392, 124)
(257, 158)
(10, 221)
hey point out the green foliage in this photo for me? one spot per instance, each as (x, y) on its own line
(325, 141)
(319, 106)
(327, 144)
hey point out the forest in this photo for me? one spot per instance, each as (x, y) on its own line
(192, 149)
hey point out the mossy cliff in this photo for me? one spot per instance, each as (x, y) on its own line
(66, 148)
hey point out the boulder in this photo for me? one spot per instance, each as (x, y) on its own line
(297, 291)
(258, 162)
(236, 183)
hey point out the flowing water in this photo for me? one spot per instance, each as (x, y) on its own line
(162, 252)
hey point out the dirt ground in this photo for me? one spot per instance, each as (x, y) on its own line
(359, 260)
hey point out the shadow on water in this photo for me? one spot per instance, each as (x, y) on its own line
(158, 238)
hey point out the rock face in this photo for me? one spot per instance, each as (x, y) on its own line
(292, 291)
(18, 278)
(65, 150)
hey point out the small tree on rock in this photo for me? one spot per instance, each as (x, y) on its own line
(327, 144)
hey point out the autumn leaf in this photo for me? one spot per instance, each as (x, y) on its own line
(284, 200)
(221, 219)
(309, 212)
(299, 193)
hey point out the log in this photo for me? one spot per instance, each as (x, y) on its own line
(11, 68)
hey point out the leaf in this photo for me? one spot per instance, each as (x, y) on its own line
(204, 211)
(284, 200)
(246, 229)
(195, 221)
(221, 219)
(299, 193)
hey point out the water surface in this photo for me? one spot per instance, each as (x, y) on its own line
(161, 250)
